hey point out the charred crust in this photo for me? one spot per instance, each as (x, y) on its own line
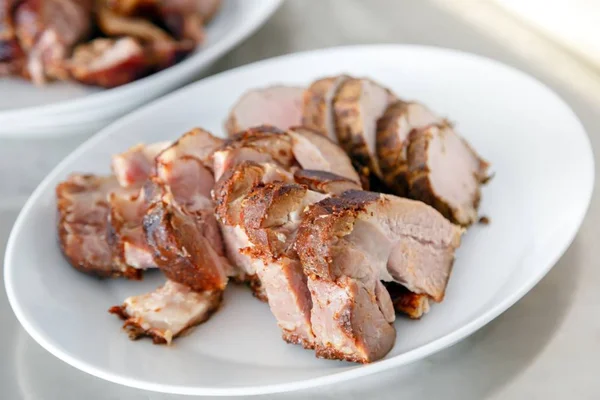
(314, 104)
(331, 353)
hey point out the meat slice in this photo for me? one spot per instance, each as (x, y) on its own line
(180, 223)
(11, 54)
(271, 215)
(48, 31)
(166, 312)
(229, 193)
(313, 151)
(115, 25)
(83, 210)
(109, 62)
(393, 130)
(137, 163)
(411, 304)
(279, 106)
(324, 182)
(445, 172)
(347, 244)
(317, 111)
(260, 144)
(358, 104)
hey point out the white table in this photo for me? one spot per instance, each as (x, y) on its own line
(545, 347)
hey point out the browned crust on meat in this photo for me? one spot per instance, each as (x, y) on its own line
(419, 175)
(242, 138)
(349, 124)
(324, 223)
(256, 287)
(265, 208)
(294, 338)
(331, 353)
(135, 331)
(324, 182)
(390, 152)
(314, 110)
(73, 253)
(234, 184)
(167, 233)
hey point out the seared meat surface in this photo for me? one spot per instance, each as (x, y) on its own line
(317, 111)
(166, 312)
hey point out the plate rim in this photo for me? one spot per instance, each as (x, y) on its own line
(205, 57)
(421, 352)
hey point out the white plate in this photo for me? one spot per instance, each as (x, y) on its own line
(56, 103)
(544, 178)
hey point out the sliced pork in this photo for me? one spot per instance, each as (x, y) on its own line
(347, 244)
(229, 193)
(108, 62)
(279, 106)
(135, 165)
(260, 144)
(317, 111)
(393, 130)
(48, 31)
(358, 104)
(166, 312)
(405, 302)
(11, 55)
(271, 215)
(313, 151)
(325, 182)
(180, 223)
(83, 210)
(445, 172)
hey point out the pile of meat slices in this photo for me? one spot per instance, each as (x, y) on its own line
(286, 211)
(98, 42)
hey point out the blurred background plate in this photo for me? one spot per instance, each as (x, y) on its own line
(30, 111)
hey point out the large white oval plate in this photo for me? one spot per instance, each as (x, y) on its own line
(536, 202)
(27, 110)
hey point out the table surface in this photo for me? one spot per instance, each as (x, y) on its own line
(545, 347)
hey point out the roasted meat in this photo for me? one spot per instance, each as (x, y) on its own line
(445, 172)
(347, 244)
(317, 111)
(313, 151)
(12, 58)
(166, 312)
(83, 210)
(358, 104)
(393, 130)
(406, 302)
(279, 106)
(48, 30)
(180, 223)
(135, 165)
(325, 182)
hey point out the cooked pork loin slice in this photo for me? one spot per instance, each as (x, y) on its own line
(271, 215)
(260, 144)
(324, 182)
(317, 111)
(281, 105)
(83, 209)
(228, 194)
(402, 240)
(411, 304)
(48, 31)
(166, 312)
(126, 233)
(115, 25)
(313, 151)
(348, 322)
(393, 131)
(358, 104)
(445, 172)
(137, 163)
(180, 224)
(108, 62)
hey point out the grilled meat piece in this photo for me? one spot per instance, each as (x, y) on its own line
(324, 182)
(166, 312)
(317, 111)
(358, 104)
(393, 130)
(83, 209)
(313, 151)
(180, 224)
(281, 105)
(445, 172)
(137, 163)
(12, 58)
(406, 302)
